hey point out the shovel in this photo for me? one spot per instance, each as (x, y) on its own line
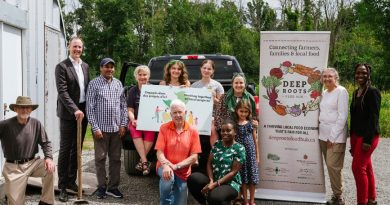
(80, 199)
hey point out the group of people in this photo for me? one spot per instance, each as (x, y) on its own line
(364, 132)
(226, 163)
(180, 149)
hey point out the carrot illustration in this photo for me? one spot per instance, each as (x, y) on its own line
(280, 109)
(303, 70)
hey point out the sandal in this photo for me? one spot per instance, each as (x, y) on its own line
(139, 166)
(239, 201)
(146, 168)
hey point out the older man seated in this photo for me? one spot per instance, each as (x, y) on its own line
(20, 136)
(177, 148)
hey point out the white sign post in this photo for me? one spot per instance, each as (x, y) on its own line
(156, 100)
(290, 69)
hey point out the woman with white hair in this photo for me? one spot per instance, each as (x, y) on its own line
(333, 130)
(143, 140)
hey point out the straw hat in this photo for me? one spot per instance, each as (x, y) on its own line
(23, 101)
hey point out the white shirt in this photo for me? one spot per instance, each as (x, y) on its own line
(80, 76)
(333, 115)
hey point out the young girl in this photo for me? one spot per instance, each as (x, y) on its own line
(247, 136)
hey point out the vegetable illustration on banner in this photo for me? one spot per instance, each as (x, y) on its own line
(275, 80)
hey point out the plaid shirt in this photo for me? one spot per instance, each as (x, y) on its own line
(106, 105)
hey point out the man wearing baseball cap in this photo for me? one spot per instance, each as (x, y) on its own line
(20, 136)
(107, 114)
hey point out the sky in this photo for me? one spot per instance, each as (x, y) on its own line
(273, 3)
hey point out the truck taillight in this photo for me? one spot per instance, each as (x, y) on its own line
(193, 57)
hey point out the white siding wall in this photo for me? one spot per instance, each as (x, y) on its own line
(35, 26)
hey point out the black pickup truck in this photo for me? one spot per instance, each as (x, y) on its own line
(225, 67)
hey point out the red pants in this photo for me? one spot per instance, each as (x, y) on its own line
(362, 168)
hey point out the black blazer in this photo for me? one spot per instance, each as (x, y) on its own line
(365, 115)
(68, 88)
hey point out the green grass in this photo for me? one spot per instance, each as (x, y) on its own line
(384, 117)
(88, 140)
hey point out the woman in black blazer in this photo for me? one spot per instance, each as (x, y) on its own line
(365, 107)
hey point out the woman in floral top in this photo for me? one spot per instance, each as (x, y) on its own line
(223, 181)
(225, 108)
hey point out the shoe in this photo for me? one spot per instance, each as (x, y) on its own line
(336, 200)
(73, 188)
(101, 193)
(372, 202)
(63, 195)
(115, 193)
(146, 168)
(139, 166)
(43, 203)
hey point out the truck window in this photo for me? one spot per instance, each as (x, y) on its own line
(224, 69)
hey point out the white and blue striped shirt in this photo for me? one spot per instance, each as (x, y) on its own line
(106, 105)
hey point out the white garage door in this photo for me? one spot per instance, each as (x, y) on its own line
(11, 76)
(54, 53)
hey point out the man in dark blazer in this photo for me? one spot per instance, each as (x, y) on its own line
(72, 78)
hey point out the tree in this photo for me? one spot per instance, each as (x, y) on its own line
(307, 17)
(292, 19)
(260, 16)
(375, 14)
(358, 45)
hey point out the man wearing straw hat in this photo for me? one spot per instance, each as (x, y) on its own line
(20, 136)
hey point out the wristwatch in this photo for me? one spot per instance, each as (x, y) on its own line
(178, 166)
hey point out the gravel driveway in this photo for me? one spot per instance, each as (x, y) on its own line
(144, 190)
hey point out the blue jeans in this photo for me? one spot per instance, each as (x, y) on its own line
(173, 191)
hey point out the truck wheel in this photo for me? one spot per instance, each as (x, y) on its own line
(131, 158)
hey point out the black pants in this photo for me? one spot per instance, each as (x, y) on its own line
(220, 195)
(67, 157)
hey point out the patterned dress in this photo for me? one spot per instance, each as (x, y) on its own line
(222, 161)
(249, 171)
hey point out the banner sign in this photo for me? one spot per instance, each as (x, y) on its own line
(290, 70)
(155, 102)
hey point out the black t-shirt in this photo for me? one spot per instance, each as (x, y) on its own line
(133, 97)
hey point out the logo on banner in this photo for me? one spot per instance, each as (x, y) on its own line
(275, 84)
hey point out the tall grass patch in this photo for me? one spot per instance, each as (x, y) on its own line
(384, 118)
(88, 140)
